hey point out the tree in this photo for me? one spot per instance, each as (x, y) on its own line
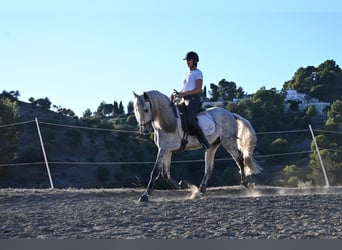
(329, 82)
(214, 92)
(105, 109)
(87, 113)
(42, 103)
(245, 108)
(115, 109)
(333, 168)
(311, 111)
(227, 90)
(100, 108)
(240, 93)
(303, 80)
(12, 95)
(334, 116)
(66, 112)
(279, 146)
(291, 175)
(323, 82)
(334, 123)
(205, 93)
(108, 110)
(8, 135)
(268, 110)
(130, 108)
(121, 109)
(331, 157)
(131, 120)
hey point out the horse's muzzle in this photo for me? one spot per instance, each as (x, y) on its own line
(144, 131)
(145, 128)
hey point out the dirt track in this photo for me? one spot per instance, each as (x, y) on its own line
(223, 213)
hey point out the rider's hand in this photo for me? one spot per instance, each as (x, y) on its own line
(180, 95)
(175, 95)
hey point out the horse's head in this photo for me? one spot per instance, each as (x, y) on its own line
(143, 113)
(152, 109)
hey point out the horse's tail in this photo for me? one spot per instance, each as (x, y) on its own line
(246, 142)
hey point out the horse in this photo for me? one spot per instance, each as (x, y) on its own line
(155, 111)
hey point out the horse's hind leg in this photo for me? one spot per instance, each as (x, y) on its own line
(209, 166)
(238, 158)
(243, 180)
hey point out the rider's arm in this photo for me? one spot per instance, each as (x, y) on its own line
(195, 91)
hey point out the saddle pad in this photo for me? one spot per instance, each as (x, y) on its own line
(207, 124)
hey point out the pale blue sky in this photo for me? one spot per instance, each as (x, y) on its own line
(80, 53)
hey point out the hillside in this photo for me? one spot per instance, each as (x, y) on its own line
(101, 152)
(72, 153)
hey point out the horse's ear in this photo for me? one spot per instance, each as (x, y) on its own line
(146, 98)
(135, 95)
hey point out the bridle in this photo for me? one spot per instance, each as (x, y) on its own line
(149, 123)
(146, 123)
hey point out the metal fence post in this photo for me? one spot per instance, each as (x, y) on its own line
(320, 158)
(43, 149)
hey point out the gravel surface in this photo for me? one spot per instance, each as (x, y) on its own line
(222, 213)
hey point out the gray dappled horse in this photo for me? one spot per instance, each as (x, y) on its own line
(233, 132)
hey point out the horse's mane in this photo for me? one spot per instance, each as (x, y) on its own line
(162, 112)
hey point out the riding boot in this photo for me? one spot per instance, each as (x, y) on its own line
(201, 137)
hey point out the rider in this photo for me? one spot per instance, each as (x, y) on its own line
(191, 93)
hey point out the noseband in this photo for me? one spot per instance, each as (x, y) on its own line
(146, 123)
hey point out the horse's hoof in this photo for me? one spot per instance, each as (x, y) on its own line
(183, 185)
(245, 184)
(143, 198)
(202, 189)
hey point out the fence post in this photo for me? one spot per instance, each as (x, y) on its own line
(320, 158)
(43, 149)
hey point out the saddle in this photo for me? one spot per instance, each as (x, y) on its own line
(183, 114)
(205, 122)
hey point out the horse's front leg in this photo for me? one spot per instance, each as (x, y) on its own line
(162, 165)
(153, 177)
(166, 164)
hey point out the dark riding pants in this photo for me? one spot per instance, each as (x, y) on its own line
(192, 108)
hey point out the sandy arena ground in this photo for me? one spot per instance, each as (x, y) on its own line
(222, 213)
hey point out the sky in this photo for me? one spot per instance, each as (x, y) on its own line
(79, 53)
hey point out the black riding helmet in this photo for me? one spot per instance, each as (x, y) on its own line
(192, 55)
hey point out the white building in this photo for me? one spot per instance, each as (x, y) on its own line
(304, 102)
(293, 95)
